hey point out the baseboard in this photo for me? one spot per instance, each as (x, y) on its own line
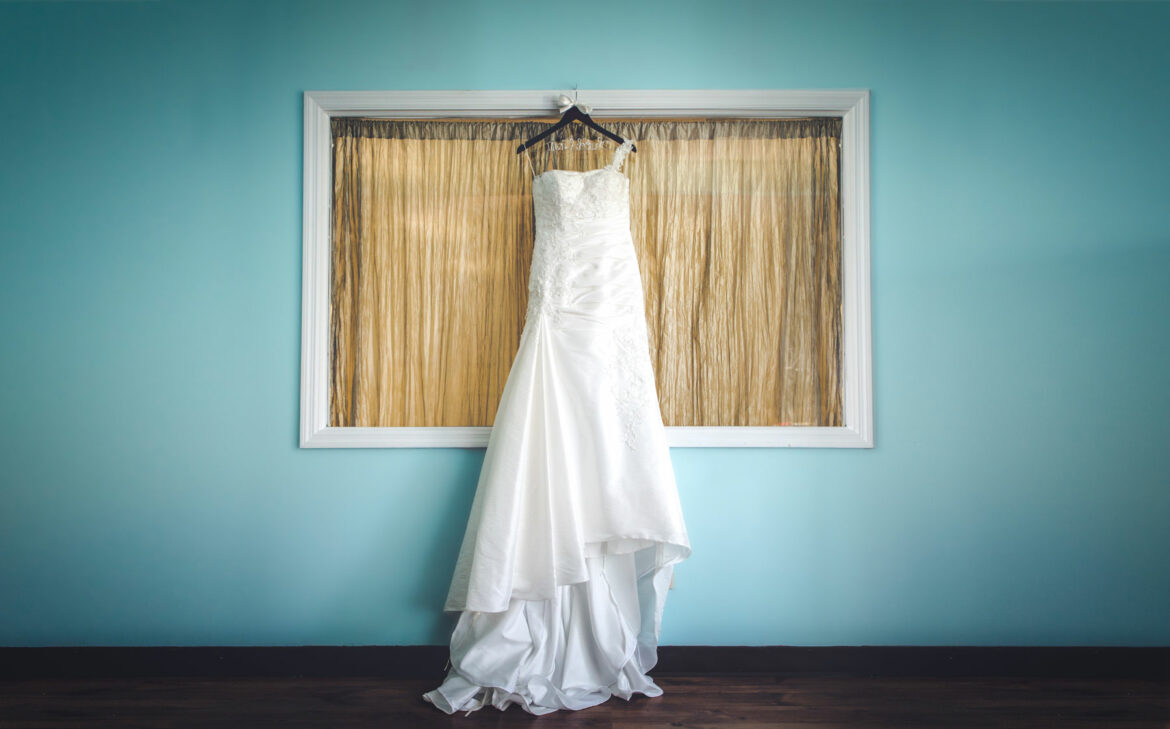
(428, 661)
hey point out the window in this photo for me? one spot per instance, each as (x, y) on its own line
(749, 210)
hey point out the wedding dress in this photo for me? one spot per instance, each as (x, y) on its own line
(576, 525)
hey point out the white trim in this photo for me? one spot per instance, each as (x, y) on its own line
(852, 105)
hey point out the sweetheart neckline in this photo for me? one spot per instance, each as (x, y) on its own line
(618, 156)
(582, 172)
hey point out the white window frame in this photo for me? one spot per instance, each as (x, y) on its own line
(852, 106)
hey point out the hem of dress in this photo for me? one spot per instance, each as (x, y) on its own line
(529, 684)
(460, 694)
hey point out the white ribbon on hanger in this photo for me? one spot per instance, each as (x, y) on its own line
(564, 102)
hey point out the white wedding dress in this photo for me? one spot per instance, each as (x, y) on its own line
(576, 524)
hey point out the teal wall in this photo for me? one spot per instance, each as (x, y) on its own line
(150, 211)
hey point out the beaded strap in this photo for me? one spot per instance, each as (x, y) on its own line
(620, 153)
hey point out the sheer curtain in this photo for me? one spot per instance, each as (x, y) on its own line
(737, 228)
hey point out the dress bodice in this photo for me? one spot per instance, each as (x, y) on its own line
(574, 210)
(565, 199)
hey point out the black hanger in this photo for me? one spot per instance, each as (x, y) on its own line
(573, 114)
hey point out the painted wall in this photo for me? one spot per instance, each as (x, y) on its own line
(150, 213)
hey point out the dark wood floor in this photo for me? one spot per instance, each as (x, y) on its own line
(689, 702)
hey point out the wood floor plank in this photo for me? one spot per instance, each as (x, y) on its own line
(689, 702)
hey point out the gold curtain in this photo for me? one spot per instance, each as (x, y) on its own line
(735, 221)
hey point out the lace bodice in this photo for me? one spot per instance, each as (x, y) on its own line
(563, 199)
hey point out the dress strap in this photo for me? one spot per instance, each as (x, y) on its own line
(620, 153)
(530, 167)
